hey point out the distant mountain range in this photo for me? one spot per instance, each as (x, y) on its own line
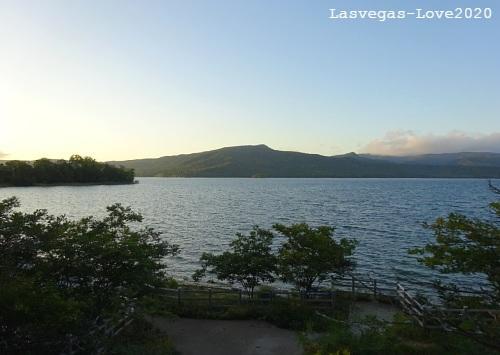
(262, 161)
(453, 159)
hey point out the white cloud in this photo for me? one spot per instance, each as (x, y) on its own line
(411, 143)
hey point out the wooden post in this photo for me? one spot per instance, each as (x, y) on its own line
(353, 287)
(179, 296)
(240, 297)
(375, 288)
(331, 293)
(210, 297)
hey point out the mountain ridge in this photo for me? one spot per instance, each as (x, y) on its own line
(263, 161)
(461, 158)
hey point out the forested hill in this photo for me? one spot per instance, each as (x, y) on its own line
(76, 170)
(262, 161)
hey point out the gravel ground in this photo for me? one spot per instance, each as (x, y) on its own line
(219, 337)
(246, 337)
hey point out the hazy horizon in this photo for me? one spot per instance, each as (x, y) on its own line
(121, 80)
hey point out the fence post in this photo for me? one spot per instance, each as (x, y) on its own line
(331, 294)
(240, 297)
(210, 297)
(375, 288)
(353, 288)
(179, 296)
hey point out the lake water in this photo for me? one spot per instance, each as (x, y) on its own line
(203, 215)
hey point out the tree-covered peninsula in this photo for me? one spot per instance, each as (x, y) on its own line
(76, 170)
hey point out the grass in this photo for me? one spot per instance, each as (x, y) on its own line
(282, 312)
(141, 338)
(401, 337)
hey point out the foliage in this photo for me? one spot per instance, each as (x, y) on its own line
(283, 313)
(264, 292)
(307, 257)
(249, 261)
(468, 246)
(399, 337)
(76, 170)
(60, 277)
(310, 255)
(141, 338)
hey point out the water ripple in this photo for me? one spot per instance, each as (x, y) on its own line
(384, 215)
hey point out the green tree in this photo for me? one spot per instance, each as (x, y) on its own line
(249, 261)
(46, 171)
(61, 277)
(5, 175)
(310, 255)
(468, 246)
(21, 173)
(86, 169)
(76, 170)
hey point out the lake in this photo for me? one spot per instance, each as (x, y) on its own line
(203, 215)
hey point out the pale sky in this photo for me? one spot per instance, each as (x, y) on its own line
(135, 79)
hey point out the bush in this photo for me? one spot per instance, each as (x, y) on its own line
(310, 255)
(141, 338)
(61, 278)
(402, 337)
(249, 261)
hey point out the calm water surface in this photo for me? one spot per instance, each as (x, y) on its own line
(384, 215)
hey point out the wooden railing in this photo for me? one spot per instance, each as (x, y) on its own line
(411, 306)
(220, 297)
(442, 318)
(355, 284)
(101, 330)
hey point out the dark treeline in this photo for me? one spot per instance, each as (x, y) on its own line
(76, 170)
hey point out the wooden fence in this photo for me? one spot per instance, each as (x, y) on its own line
(100, 330)
(213, 295)
(434, 317)
(357, 285)
(220, 297)
(411, 306)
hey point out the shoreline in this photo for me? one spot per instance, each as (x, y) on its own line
(327, 177)
(108, 183)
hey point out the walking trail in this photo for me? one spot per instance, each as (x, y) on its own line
(221, 337)
(247, 337)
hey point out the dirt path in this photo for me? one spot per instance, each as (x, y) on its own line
(219, 337)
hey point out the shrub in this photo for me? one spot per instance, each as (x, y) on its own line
(249, 261)
(309, 255)
(60, 278)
